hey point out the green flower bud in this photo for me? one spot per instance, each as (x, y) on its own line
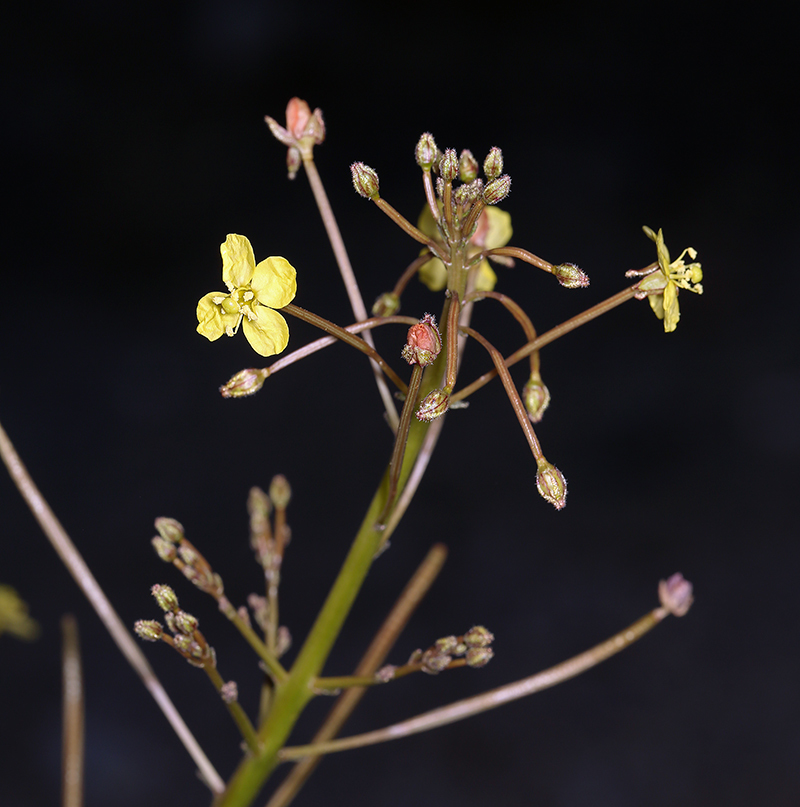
(185, 623)
(165, 550)
(448, 166)
(479, 656)
(447, 644)
(478, 636)
(386, 305)
(536, 397)
(467, 166)
(571, 276)
(165, 597)
(245, 382)
(365, 180)
(551, 484)
(493, 164)
(434, 405)
(280, 492)
(497, 190)
(426, 152)
(170, 530)
(148, 629)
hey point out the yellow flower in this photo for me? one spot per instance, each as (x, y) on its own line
(668, 278)
(253, 291)
(494, 230)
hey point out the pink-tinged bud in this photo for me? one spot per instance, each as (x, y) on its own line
(551, 484)
(293, 161)
(478, 637)
(298, 113)
(386, 673)
(434, 662)
(229, 692)
(165, 597)
(386, 305)
(448, 166)
(185, 623)
(676, 594)
(467, 166)
(316, 127)
(426, 152)
(423, 343)
(244, 383)
(571, 276)
(497, 190)
(493, 164)
(284, 641)
(170, 529)
(479, 656)
(280, 491)
(164, 549)
(536, 397)
(148, 629)
(365, 180)
(433, 405)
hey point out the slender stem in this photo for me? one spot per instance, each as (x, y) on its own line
(451, 367)
(492, 699)
(430, 194)
(348, 276)
(548, 337)
(522, 254)
(376, 654)
(348, 338)
(404, 224)
(246, 728)
(73, 743)
(82, 575)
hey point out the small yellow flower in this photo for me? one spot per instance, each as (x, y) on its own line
(493, 231)
(253, 291)
(668, 278)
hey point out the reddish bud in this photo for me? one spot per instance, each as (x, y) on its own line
(298, 114)
(676, 594)
(423, 343)
(497, 190)
(426, 152)
(448, 166)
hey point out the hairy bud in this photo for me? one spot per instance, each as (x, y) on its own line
(497, 190)
(571, 276)
(423, 343)
(551, 484)
(165, 597)
(433, 406)
(426, 152)
(245, 382)
(365, 180)
(676, 594)
(493, 164)
(448, 166)
(536, 397)
(148, 629)
(467, 166)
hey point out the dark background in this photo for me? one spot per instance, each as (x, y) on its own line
(134, 142)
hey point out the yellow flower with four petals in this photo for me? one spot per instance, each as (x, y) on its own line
(254, 290)
(668, 278)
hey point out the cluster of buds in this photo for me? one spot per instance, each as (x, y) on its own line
(473, 649)
(173, 547)
(183, 633)
(304, 130)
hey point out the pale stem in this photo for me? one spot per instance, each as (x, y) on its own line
(82, 575)
(430, 193)
(376, 654)
(489, 700)
(73, 744)
(348, 277)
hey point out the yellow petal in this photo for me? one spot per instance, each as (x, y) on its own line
(485, 279)
(427, 224)
(671, 311)
(268, 333)
(433, 274)
(663, 252)
(657, 304)
(210, 317)
(274, 282)
(500, 230)
(238, 261)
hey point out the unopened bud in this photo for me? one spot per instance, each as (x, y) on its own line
(433, 405)
(479, 656)
(536, 397)
(229, 692)
(165, 597)
(386, 673)
(426, 152)
(497, 190)
(571, 276)
(148, 629)
(185, 623)
(245, 382)
(676, 594)
(298, 114)
(467, 166)
(280, 491)
(447, 645)
(551, 484)
(386, 305)
(434, 662)
(165, 550)
(448, 166)
(493, 164)
(478, 637)
(293, 161)
(284, 641)
(423, 343)
(365, 180)
(170, 530)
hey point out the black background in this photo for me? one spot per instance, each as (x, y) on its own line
(134, 142)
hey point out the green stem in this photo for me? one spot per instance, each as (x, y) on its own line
(242, 721)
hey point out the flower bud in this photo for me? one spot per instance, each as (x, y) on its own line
(447, 644)
(229, 692)
(165, 597)
(551, 484)
(164, 549)
(423, 343)
(497, 190)
(185, 623)
(386, 673)
(676, 594)
(571, 276)
(148, 629)
(386, 305)
(293, 161)
(448, 166)
(426, 152)
(493, 164)
(433, 405)
(280, 492)
(479, 656)
(298, 114)
(245, 382)
(434, 662)
(536, 397)
(467, 166)
(478, 637)
(170, 529)
(365, 180)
